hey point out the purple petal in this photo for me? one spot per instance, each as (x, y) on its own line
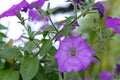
(38, 3)
(93, 59)
(100, 9)
(74, 54)
(14, 9)
(34, 15)
(105, 76)
(76, 1)
(118, 67)
(113, 23)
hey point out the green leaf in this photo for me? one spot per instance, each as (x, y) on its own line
(41, 74)
(29, 46)
(38, 33)
(67, 20)
(29, 31)
(50, 28)
(2, 27)
(53, 76)
(66, 31)
(2, 35)
(53, 51)
(29, 68)
(10, 52)
(9, 75)
(45, 48)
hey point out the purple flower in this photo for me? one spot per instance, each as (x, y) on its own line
(100, 8)
(34, 15)
(105, 75)
(38, 3)
(113, 23)
(14, 9)
(76, 1)
(74, 54)
(118, 67)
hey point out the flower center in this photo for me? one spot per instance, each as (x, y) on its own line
(72, 52)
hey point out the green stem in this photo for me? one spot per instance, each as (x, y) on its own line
(75, 9)
(82, 14)
(53, 24)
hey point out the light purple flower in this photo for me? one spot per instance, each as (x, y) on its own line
(34, 15)
(113, 23)
(105, 75)
(38, 3)
(100, 8)
(74, 54)
(14, 9)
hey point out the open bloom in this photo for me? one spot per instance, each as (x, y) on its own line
(74, 54)
(14, 9)
(100, 8)
(113, 23)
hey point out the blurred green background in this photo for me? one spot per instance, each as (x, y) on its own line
(108, 57)
(112, 47)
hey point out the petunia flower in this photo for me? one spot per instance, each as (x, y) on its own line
(14, 9)
(74, 54)
(38, 3)
(113, 23)
(105, 75)
(100, 8)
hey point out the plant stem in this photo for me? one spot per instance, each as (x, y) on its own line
(53, 24)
